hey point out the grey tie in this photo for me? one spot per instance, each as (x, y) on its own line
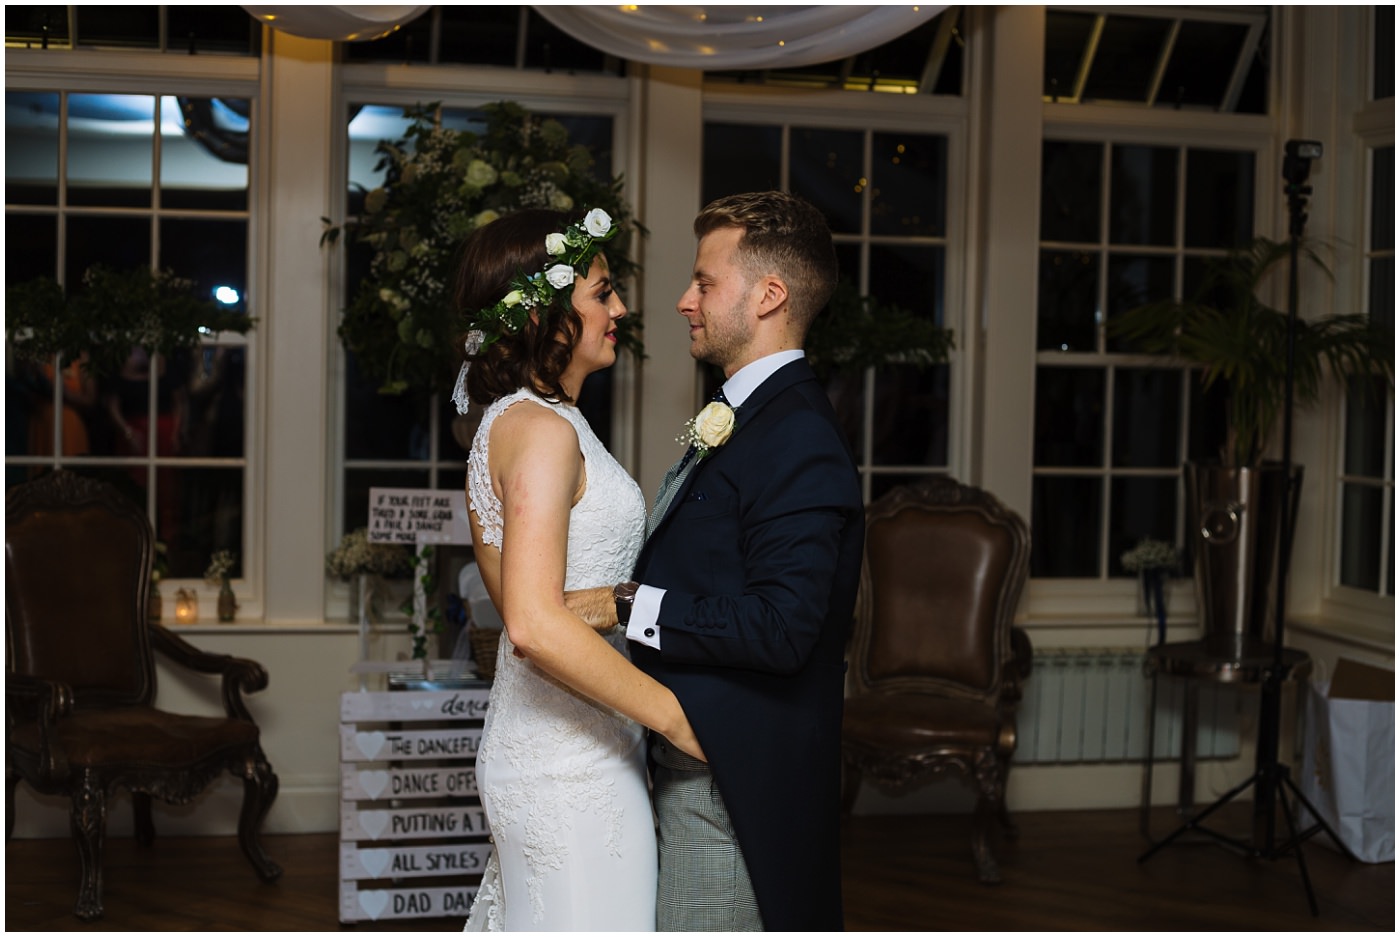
(675, 477)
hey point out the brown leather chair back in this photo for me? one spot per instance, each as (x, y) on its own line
(78, 561)
(945, 565)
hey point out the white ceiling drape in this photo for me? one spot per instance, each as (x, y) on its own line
(736, 37)
(343, 23)
(703, 37)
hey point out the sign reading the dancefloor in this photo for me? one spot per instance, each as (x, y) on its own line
(407, 744)
(418, 515)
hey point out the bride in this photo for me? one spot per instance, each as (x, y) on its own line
(562, 777)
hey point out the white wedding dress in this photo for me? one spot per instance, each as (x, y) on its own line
(563, 779)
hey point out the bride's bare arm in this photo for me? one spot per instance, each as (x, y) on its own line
(536, 462)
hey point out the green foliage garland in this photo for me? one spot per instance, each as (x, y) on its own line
(440, 185)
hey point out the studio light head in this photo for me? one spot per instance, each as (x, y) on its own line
(1297, 160)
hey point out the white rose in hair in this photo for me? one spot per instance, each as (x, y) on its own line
(597, 222)
(554, 244)
(560, 276)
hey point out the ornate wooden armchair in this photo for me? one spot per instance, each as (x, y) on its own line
(79, 690)
(936, 665)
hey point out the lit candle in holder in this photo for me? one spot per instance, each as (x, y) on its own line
(186, 606)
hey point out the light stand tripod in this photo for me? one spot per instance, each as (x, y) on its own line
(1271, 779)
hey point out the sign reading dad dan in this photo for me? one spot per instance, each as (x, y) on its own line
(418, 515)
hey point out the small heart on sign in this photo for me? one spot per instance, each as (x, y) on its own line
(373, 822)
(373, 903)
(373, 783)
(369, 743)
(375, 861)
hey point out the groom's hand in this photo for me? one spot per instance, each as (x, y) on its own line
(595, 606)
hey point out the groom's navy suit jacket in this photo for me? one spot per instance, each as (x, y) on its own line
(759, 554)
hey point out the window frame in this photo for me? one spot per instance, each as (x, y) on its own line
(1112, 600)
(159, 75)
(929, 115)
(1368, 616)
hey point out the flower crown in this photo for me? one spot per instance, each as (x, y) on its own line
(575, 247)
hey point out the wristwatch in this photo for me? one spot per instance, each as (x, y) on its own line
(624, 594)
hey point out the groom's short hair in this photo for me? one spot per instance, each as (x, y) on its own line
(783, 235)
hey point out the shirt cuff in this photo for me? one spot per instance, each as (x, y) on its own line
(646, 609)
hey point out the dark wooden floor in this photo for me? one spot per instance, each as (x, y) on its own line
(1075, 871)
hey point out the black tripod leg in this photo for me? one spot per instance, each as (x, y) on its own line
(1297, 845)
(1193, 821)
(1320, 823)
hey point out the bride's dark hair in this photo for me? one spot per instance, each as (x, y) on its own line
(537, 355)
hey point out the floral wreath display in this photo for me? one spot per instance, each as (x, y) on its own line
(440, 184)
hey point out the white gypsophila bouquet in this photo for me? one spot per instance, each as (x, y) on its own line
(440, 185)
(1150, 554)
(357, 555)
(220, 565)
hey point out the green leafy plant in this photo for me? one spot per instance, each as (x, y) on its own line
(440, 185)
(857, 332)
(432, 615)
(1239, 341)
(115, 311)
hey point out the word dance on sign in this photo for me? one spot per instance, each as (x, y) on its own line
(418, 706)
(407, 783)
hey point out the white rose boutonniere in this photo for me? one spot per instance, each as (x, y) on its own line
(709, 429)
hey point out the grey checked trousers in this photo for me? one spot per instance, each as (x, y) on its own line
(703, 883)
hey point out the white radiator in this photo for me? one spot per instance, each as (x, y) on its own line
(1090, 705)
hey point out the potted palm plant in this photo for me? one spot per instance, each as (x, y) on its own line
(1240, 344)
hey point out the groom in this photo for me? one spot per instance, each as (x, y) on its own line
(745, 588)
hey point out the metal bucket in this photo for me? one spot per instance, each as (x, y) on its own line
(1234, 516)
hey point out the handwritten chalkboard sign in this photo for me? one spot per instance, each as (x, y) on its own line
(414, 838)
(418, 516)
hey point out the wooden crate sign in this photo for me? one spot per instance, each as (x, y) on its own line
(407, 783)
(410, 811)
(385, 904)
(413, 823)
(418, 706)
(397, 862)
(357, 744)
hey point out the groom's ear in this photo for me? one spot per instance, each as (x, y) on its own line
(772, 295)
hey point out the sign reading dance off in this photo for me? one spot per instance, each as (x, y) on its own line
(418, 515)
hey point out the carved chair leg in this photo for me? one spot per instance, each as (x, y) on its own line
(988, 872)
(990, 795)
(259, 791)
(89, 822)
(1007, 824)
(850, 785)
(141, 814)
(11, 779)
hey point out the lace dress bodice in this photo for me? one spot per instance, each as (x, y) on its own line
(550, 757)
